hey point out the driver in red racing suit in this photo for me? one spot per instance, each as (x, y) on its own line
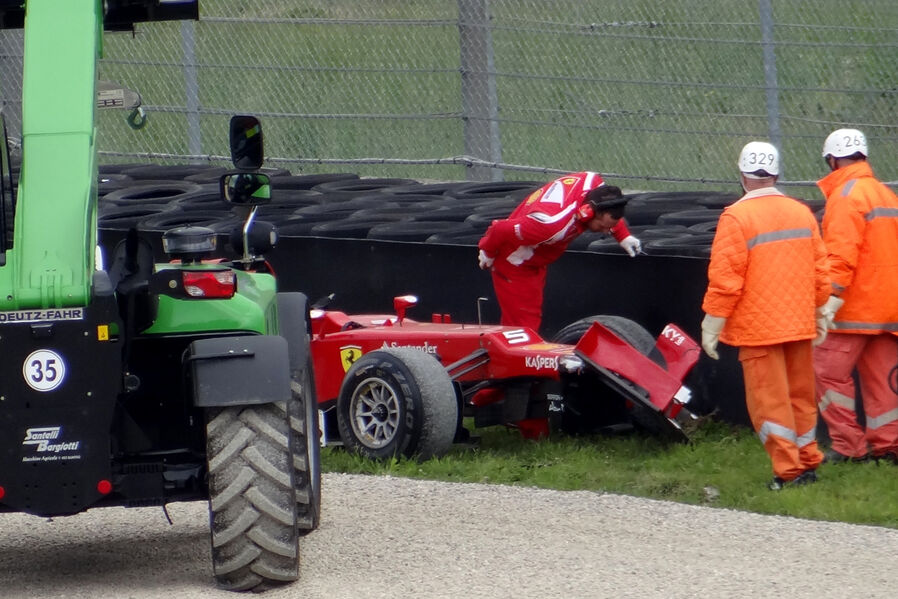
(518, 249)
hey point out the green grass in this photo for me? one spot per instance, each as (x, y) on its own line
(723, 466)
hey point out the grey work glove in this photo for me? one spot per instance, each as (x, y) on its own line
(829, 309)
(711, 327)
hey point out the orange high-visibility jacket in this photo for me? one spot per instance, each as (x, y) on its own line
(860, 229)
(768, 270)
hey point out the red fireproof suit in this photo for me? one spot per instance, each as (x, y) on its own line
(860, 229)
(536, 234)
(767, 275)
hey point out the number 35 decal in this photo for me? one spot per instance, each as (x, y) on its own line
(44, 370)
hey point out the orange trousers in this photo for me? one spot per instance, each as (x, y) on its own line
(779, 395)
(874, 356)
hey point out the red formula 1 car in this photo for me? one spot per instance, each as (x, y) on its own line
(392, 386)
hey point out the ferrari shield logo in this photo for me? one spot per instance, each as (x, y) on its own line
(348, 355)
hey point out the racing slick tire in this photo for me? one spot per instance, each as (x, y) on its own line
(252, 499)
(293, 323)
(397, 402)
(628, 330)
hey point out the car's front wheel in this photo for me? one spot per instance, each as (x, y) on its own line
(397, 402)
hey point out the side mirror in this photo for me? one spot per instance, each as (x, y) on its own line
(246, 142)
(246, 189)
(402, 303)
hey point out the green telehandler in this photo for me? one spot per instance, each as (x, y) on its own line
(137, 382)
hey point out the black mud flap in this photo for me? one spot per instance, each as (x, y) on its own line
(241, 370)
(59, 379)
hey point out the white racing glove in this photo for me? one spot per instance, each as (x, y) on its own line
(711, 327)
(631, 245)
(484, 260)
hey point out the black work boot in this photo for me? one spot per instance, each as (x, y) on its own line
(805, 478)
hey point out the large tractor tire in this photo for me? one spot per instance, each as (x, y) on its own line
(252, 500)
(397, 402)
(293, 323)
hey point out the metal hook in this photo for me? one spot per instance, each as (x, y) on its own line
(138, 118)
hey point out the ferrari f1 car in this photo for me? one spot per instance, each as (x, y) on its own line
(392, 386)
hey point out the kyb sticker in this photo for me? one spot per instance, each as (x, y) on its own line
(44, 370)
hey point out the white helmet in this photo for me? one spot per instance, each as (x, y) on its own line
(845, 142)
(759, 156)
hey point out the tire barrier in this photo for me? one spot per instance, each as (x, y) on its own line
(208, 197)
(501, 207)
(368, 240)
(342, 204)
(437, 189)
(144, 192)
(705, 227)
(336, 211)
(607, 244)
(404, 199)
(297, 197)
(394, 213)
(109, 182)
(438, 212)
(122, 218)
(721, 200)
(480, 222)
(277, 213)
(351, 228)
(697, 246)
(347, 189)
(307, 182)
(215, 220)
(690, 217)
(169, 172)
(417, 231)
(517, 189)
(646, 208)
(467, 237)
(114, 169)
(296, 226)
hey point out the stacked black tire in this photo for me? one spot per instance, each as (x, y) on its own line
(342, 205)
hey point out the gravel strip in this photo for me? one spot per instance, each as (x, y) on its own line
(393, 537)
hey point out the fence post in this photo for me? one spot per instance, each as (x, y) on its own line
(191, 90)
(478, 89)
(771, 90)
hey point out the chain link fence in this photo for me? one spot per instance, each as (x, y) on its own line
(656, 95)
